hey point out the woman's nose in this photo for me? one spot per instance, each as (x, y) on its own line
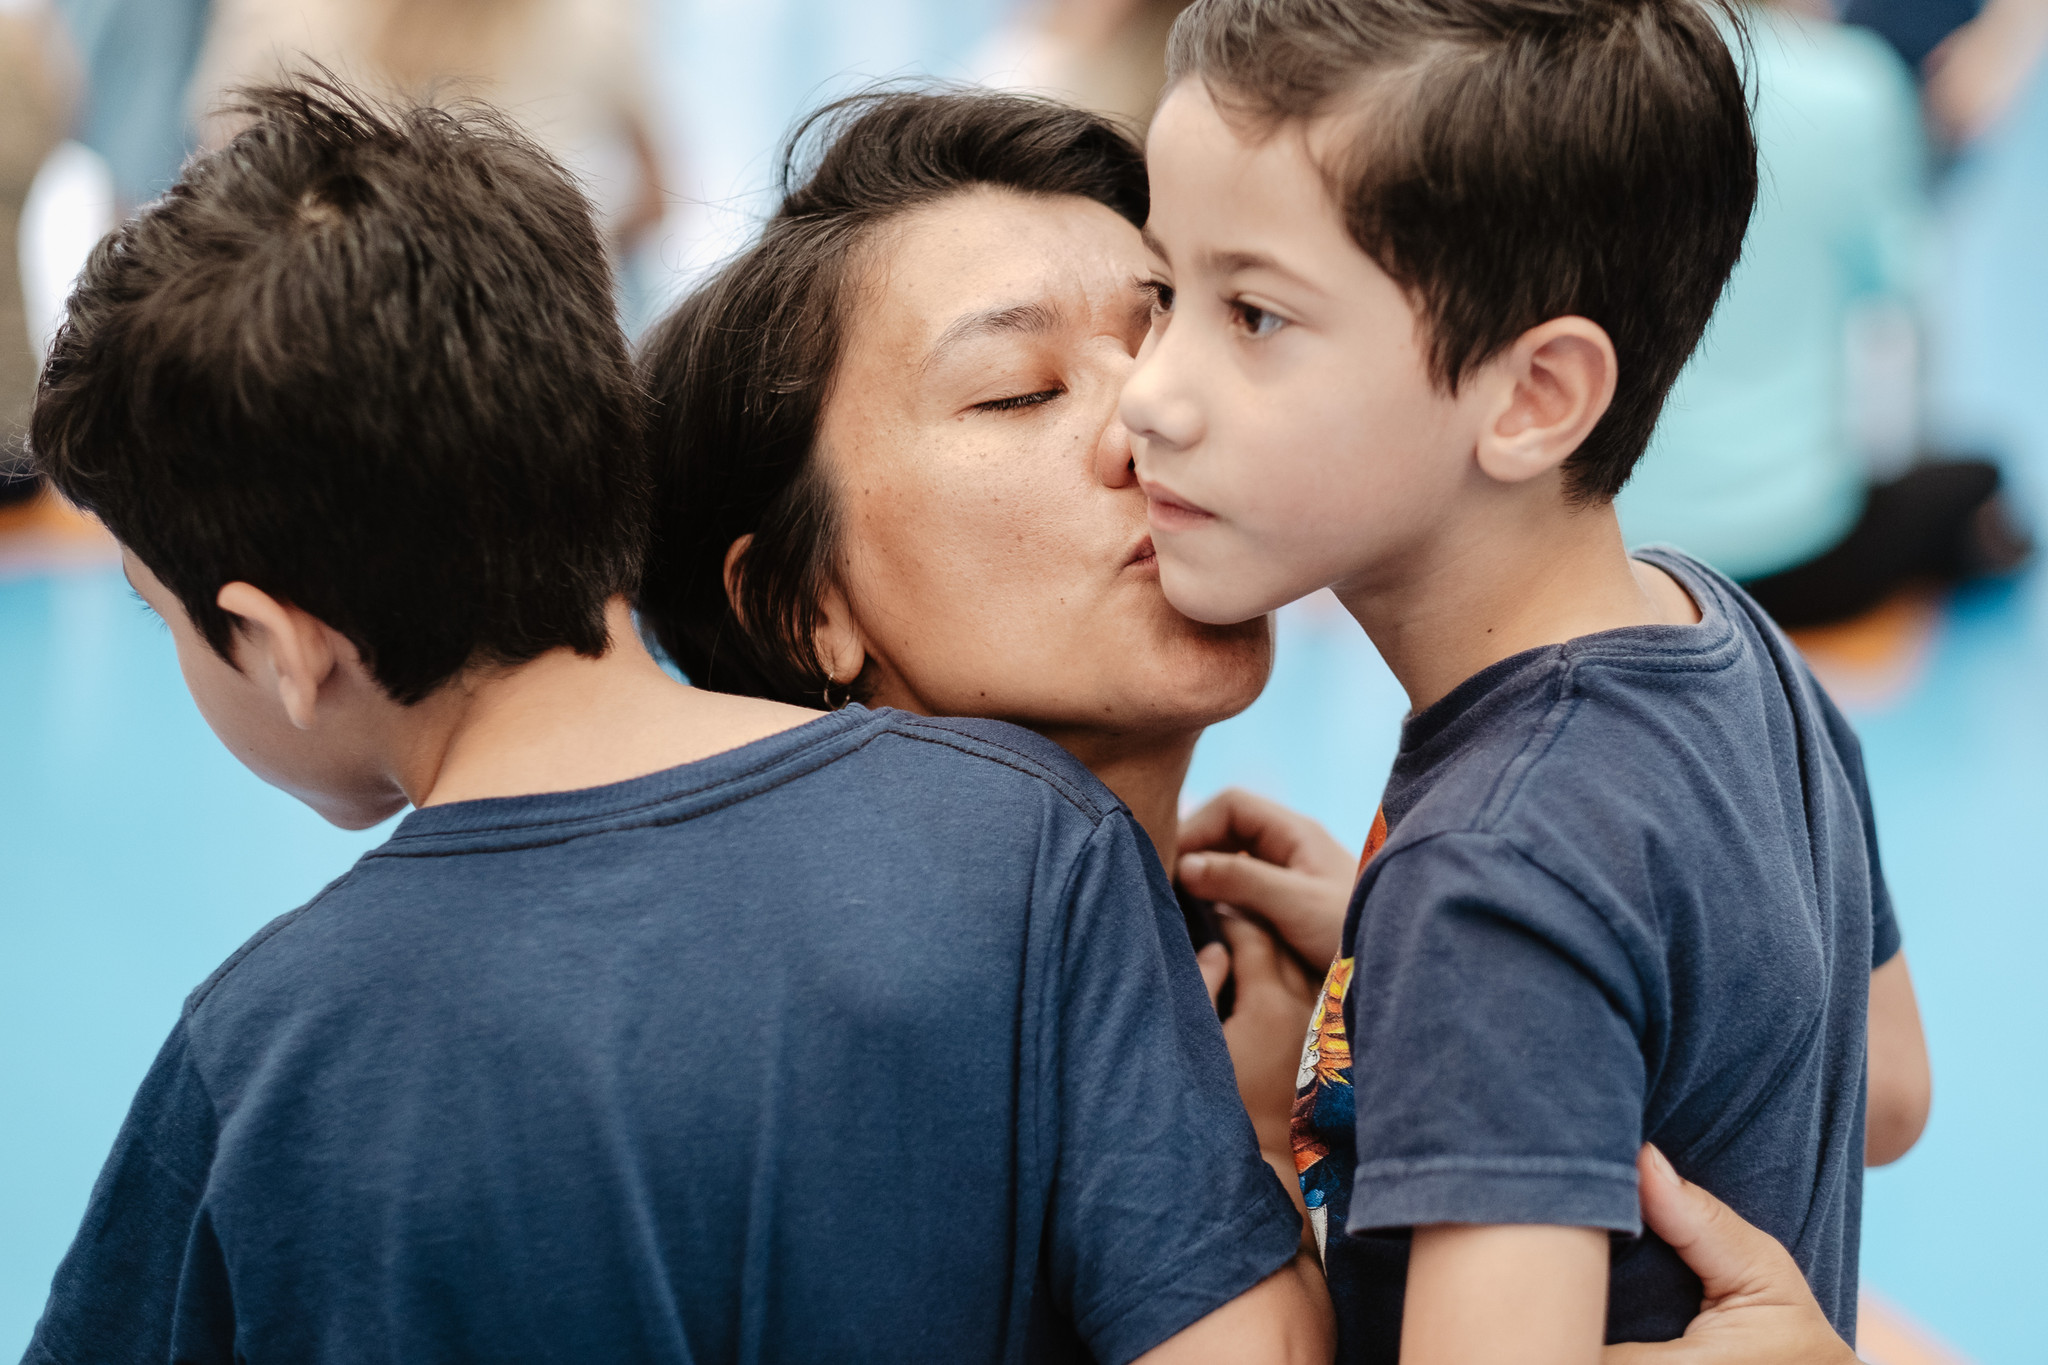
(1113, 461)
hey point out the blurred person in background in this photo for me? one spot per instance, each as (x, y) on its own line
(568, 70)
(32, 117)
(138, 57)
(1974, 59)
(1104, 55)
(1757, 466)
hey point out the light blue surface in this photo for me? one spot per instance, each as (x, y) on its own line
(135, 854)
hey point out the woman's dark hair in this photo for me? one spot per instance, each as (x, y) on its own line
(740, 372)
(366, 359)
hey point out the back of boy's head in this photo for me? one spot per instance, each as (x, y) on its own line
(1511, 161)
(365, 359)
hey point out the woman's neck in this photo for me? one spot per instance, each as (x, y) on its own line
(1145, 773)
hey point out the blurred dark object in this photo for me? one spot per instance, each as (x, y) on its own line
(1942, 522)
(138, 57)
(1205, 928)
(18, 479)
(1914, 28)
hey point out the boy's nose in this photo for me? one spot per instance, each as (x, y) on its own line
(1156, 408)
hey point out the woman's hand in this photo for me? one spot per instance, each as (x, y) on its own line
(1756, 1309)
(1274, 865)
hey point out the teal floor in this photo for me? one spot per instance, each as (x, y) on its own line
(135, 854)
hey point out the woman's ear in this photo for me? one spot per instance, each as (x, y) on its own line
(841, 647)
(734, 553)
(1548, 391)
(283, 649)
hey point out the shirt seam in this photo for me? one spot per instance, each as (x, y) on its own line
(1522, 1167)
(802, 751)
(611, 823)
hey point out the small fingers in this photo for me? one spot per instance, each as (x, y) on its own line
(1237, 820)
(1308, 911)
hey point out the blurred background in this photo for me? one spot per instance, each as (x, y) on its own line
(1861, 439)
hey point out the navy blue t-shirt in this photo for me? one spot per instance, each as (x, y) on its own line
(879, 1039)
(1629, 891)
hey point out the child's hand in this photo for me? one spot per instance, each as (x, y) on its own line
(1757, 1308)
(1292, 874)
(1265, 1030)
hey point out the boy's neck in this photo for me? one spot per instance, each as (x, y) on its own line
(1531, 574)
(563, 722)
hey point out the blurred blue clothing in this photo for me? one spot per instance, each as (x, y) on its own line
(1753, 468)
(138, 57)
(1913, 27)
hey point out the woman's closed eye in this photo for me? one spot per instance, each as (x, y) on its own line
(1021, 400)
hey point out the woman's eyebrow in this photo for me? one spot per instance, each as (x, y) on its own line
(1034, 318)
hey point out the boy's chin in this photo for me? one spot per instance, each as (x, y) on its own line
(1216, 598)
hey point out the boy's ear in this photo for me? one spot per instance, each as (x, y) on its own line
(1545, 394)
(289, 652)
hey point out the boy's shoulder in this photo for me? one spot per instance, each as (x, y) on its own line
(1663, 741)
(905, 787)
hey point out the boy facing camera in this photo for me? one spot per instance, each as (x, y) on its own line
(1428, 270)
(669, 1025)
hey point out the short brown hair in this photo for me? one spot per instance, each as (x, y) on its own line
(365, 358)
(1516, 161)
(740, 373)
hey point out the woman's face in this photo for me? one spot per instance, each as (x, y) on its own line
(994, 553)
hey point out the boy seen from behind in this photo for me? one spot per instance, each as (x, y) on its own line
(1428, 269)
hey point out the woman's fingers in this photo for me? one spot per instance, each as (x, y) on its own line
(1758, 1309)
(1305, 909)
(1733, 1258)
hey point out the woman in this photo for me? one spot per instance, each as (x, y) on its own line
(890, 473)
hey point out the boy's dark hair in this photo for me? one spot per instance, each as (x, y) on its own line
(1515, 161)
(365, 359)
(740, 372)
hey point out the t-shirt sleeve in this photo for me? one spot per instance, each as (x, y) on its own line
(1162, 1208)
(145, 1279)
(1497, 1070)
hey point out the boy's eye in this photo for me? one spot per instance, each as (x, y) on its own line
(1256, 320)
(1022, 400)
